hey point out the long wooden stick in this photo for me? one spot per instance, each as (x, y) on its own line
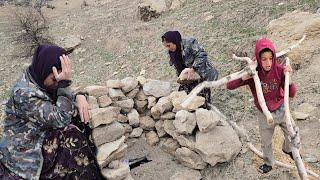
(283, 52)
(293, 132)
(244, 136)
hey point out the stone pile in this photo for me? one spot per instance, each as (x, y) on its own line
(139, 107)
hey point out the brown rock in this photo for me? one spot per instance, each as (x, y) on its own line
(96, 91)
(133, 117)
(147, 123)
(104, 101)
(129, 84)
(185, 122)
(107, 133)
(152, 138)
(104, 115)
(117, 84)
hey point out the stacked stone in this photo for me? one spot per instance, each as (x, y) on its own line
(137, 107)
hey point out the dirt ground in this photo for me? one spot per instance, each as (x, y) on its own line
(117, 44)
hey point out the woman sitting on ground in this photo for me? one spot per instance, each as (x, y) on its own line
(46, 135)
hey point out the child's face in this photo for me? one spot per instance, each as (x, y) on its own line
(266, 60)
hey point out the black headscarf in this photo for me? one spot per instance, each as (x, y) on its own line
(44, 58)
(175, 57)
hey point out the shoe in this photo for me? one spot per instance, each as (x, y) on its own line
(265, 168)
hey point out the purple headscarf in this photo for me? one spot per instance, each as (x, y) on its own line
(44, 58)
(175, 57)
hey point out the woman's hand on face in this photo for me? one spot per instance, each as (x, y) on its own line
(65, 74)
(83, 108)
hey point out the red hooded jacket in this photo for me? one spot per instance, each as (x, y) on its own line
(272, 82)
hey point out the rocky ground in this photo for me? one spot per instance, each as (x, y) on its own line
(115, 44)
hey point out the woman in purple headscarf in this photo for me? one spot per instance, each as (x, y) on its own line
(189, 56)
(45, 131)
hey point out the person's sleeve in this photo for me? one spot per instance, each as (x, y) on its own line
(236, 83)
(45, 113)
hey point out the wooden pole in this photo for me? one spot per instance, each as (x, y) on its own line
(244, 136)
(293, 130)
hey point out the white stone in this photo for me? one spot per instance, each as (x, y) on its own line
(219, 145)
(185, 122)
(157, 88)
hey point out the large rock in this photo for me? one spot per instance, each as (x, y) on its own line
(118, 173)
(170, 145)
(117, 84)
(176, 4)
(177, 97)
(289, 28)
(207, 120)
(104, 101)
(152, 138)
(218, 146)
(118, 154)
(185, 122)
(69, 43)
(96, 91)
(107, 133)
(149, 9)
(116, 94)
(105, 150)
(136, 132)
(93, 102)
(126, 105)
(299, 115)
(130, 83)
(147, 123)
(163, 105)
(157, 88)
(133, 117)
(189, 174)
(306, 107)
(160, 129)
(104, 115)
(189, 158)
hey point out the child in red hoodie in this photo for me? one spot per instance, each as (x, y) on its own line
(272, 79)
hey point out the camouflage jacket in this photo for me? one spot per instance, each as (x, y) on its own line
(194, 55)
(30, 113)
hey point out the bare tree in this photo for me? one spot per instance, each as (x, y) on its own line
(34, 27)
